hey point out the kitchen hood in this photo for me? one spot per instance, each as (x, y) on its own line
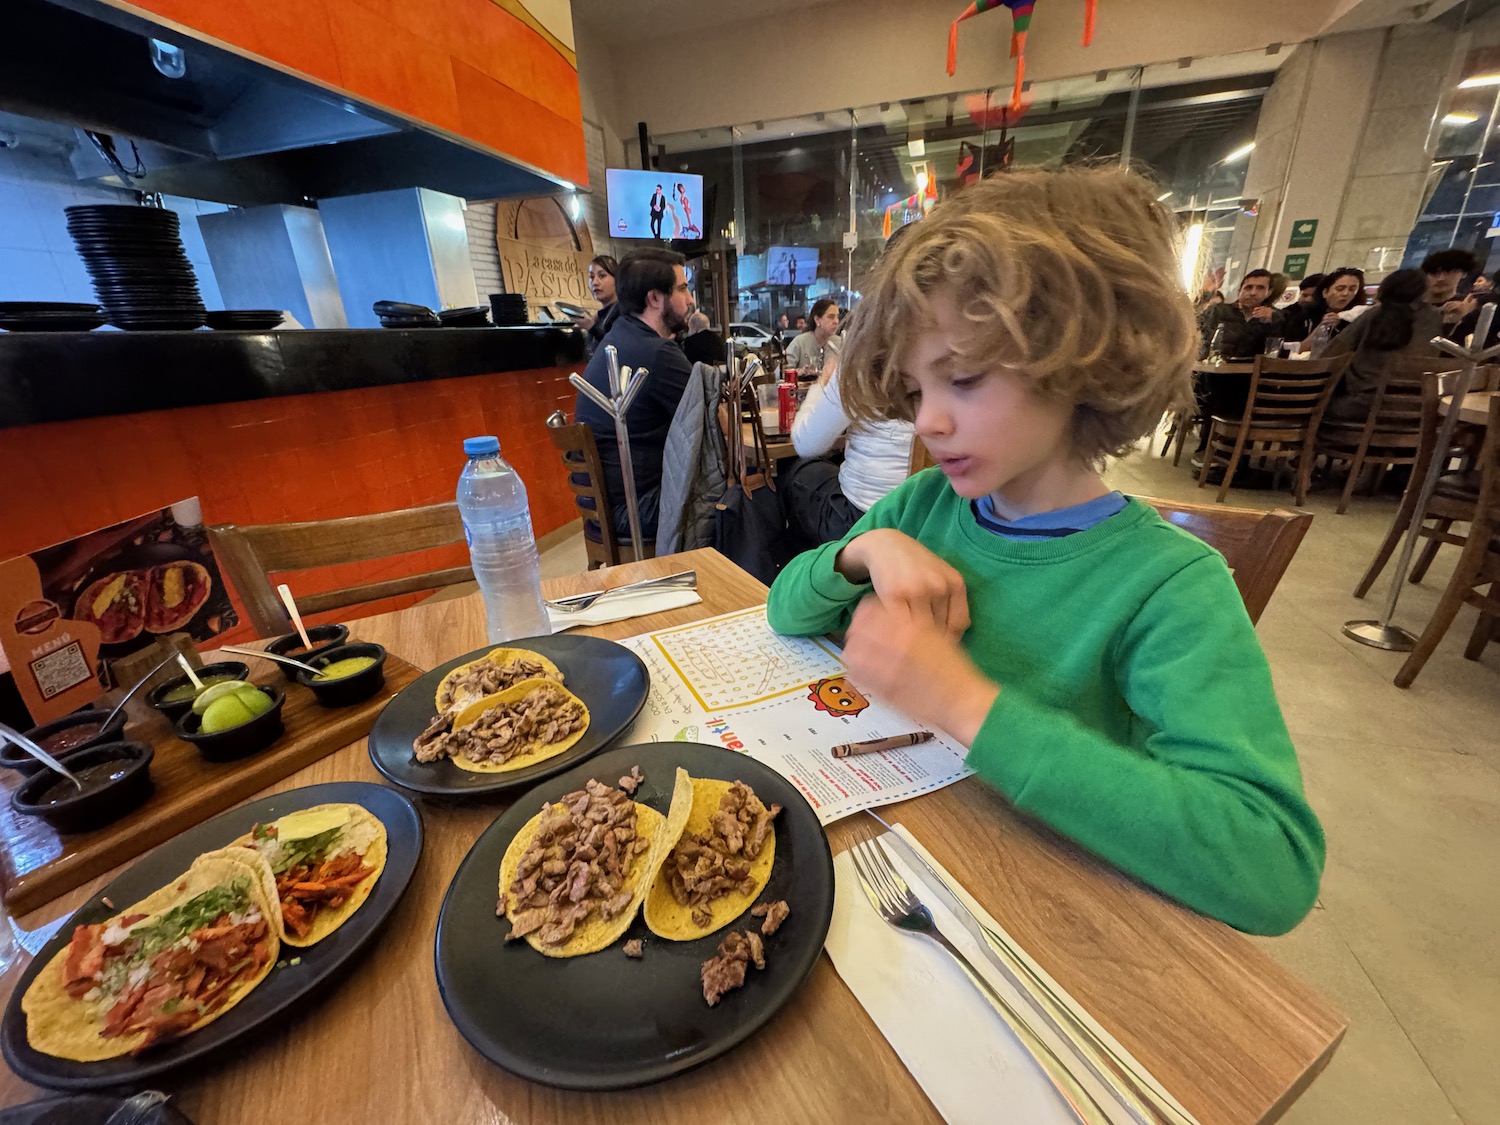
(228, 129)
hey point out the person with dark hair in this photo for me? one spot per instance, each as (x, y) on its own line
(596, 325)
(1401, 323)
(1340, 291)
(658, 209)
(1246, 323)
(809, 351)
(654, 300)
(1444, 270)
(1475, 302)
(1298, 321)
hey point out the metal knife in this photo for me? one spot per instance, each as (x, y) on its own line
(1110, 1073)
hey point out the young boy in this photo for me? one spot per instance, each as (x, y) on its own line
(1097, 661)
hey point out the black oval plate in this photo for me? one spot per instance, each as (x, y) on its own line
(611, 680)
(603, 1021)
(283, 989)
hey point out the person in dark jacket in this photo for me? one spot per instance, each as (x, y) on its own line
(1401, 323)
(1475, 303)
(654, 299)
(1297, 320)
(1246, 323)
(596, 325)
(1337, 292)
(1445, 270)
(702, 344)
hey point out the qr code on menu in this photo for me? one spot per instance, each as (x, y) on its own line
(58, 671)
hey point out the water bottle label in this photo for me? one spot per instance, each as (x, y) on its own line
(468, 535)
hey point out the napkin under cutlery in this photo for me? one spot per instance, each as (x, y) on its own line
(952, 1041)
(623, 605)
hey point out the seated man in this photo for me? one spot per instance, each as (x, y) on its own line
(1247, 323)
(653, 298)
(702, 344)
(1445, 270)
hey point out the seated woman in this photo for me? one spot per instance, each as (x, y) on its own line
(596, 325)
(1341, 291)
(824, 499)
(1401, 323)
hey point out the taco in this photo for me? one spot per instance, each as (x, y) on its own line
(117, 604)
(612, 844)
(167, 966)
(716, 865)
(493, 672)
(318, 865)
(526, 723)
(175, 591)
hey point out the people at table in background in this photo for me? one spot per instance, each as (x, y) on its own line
(658, 209)
(596, 324)
(1482, 286)
(801, 323)
(1097, 662)
(781, 323)
(1208, 298)
(1401, 322)
(1247, 323)
(1469, 324)
(1341, 290)
(1444, 270)
(702, 344)
(1297, 320)
(654, 299)
(810, 350)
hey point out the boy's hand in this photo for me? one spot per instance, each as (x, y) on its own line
(906, 574)
(908, 660)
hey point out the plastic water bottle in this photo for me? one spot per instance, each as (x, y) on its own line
(502, 547)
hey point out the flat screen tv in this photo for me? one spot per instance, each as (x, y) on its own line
(654, 205)
(791, 265)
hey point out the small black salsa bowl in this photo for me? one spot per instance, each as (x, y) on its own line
(13, 757)
(225, 669)
(346, 689)
(94, 807)
(323, 637)
(237, 742)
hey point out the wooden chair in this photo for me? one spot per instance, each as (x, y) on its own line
(1258, 546)
(252, 554)
(920, 458)
(1479, 565)
(1285, 403)
(580, 456)
(1391, 435)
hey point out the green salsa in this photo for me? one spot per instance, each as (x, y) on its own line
(186, 693)
(343, 669)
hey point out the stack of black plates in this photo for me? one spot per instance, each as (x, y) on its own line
(476, 316)
(245, 320)
(49, 316)
(508, 308)
(141, 273)
(401, 314)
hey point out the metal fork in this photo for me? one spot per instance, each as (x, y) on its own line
(686, 580)
(894, 901)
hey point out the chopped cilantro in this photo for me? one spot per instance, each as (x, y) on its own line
(306, 850)
(295, 961)
(263, 832)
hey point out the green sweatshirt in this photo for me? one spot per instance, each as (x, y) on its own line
(1136, 713)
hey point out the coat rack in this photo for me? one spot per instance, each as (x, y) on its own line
(624, 384)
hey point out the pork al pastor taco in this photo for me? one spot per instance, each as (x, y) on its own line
(117, 604)
(318, 865)
(493, 672)
(525, 723)
(716, 865)
(168, 965)
(175, 591)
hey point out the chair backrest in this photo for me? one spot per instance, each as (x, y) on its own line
(1258, 546)
(1397, 405)
(1291, 394)
(580, 456)
(252, 554)
(920, 458)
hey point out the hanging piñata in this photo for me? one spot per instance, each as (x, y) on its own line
(1020, 14)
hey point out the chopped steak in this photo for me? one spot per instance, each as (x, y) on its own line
(704, 868)
(546, 715)
(725, 970)
(631, 781)
(774, 914)
(500, 907)
(485, 677)
(576, 864)
(633, 948)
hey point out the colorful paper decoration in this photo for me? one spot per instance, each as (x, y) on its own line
(1020, 14)
(924, 199)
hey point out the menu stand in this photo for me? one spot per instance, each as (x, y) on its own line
(1382, 634)
(624, 384)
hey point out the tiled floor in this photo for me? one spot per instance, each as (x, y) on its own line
(1407, 783)
(1404, 937)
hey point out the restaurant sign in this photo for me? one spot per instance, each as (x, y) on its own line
(1304, 231)
(66, 611)
(1295, 266)
(543, 252)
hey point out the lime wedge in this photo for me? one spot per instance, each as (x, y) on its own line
(212, 692)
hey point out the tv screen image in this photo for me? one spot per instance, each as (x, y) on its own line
(791, 265)
(654, 205)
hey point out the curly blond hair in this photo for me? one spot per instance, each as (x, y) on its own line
(1068, 277)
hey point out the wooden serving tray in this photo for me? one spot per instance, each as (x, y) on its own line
(37, 864)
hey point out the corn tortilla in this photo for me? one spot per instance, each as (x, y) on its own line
(494, 656)
(537, 751)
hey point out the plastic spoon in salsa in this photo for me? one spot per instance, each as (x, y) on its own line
(38, 753)
(291, 608)
(188, 668)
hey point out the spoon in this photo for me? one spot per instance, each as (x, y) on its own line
(191, 674)
(39, 754)
(270, 656)
(291, 608)
(120, 706)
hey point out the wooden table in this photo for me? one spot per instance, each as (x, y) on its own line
(1232, 1034)
(1475, 409)
(1228, 367)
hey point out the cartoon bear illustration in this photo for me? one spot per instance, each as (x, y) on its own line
(835, 695)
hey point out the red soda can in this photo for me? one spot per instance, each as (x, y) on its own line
(786, 401)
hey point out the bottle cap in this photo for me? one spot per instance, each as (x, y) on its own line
(478, 446)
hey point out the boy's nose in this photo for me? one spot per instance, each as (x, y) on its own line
(933, 420)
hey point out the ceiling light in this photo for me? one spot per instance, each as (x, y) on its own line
(921, 182)
(1239, 153)
(1192, 243)
(1460, 118)
(917, 146)
(1479, 80)
(169, 60)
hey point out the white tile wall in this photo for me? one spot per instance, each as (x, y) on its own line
(480, 221)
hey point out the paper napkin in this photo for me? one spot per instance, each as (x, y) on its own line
(619, 607)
